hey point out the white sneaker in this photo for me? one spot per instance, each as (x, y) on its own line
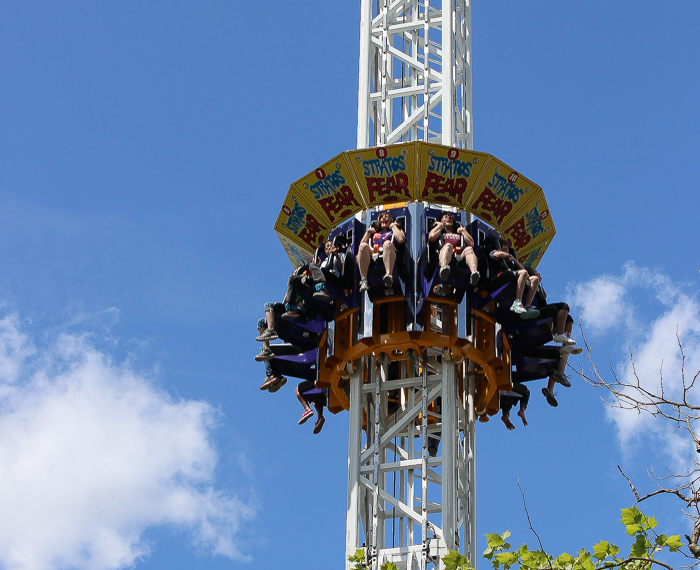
(567, 348)
(474, 279)
(444, 272)
(364, 286)
(563, 339)
(517, 307)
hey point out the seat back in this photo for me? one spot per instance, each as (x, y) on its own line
(306, 334)
(300, 366)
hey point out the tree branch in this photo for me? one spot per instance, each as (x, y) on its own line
(633, 559)
(529, 522)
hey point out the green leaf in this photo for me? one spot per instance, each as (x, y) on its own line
(389, 566)
(629, 516)
(359, 559)
(506, 558)
(650, 522)
(639, 547)
(454, 560)
(494, 540)
(633, 529)
(636, 521)
(531, 560)
(600, 550)
(566, 559)
(358, 556)
(674, 542)
(584, 560)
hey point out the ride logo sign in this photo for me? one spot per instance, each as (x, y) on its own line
(299, 222)
(500, 195)
(296, 254)
(533, 226)
(332, 191)
(448, 175)
(385, 175)
(531, 257)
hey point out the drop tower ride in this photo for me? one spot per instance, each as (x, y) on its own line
(416, 363)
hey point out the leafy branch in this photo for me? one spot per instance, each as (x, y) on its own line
(602, 556)
(647, 544)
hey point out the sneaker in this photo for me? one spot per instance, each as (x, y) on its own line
(561, 378)
(269, 381)
(269, 334)
(551, 400)
(305, 416)
(291, 315)
(321, 294)
(567, 348)
(530, 312)
(279, 382)
(517, 307)
(444, 272)
(364, 286)
(563, 339)
(319, 425)
(388, 281)
(474, 279)
(265, 354)
(439, 290)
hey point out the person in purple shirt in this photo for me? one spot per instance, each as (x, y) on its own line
(379, 237)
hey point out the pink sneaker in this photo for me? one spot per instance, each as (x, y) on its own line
(305, 416)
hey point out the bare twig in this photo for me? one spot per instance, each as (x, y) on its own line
(529, 522)
(657, 492)
(630, 393)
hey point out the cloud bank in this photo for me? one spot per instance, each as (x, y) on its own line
(92, 454)
(645, 310)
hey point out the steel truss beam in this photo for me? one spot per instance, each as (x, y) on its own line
(415, 78)
(410, 508)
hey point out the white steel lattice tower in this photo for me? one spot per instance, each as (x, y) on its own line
(406, 504)
(415, 80)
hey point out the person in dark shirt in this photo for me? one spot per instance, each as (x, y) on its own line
(506, 262)
(306, 392)
(519, 393)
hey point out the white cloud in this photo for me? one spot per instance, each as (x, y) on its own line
(653, 340)
(92, 454)
(602, 300)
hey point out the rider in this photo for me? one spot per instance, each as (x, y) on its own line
(382, 236)
(449, 238)
(507, 263)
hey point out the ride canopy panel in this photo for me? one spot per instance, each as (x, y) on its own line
(475, 182)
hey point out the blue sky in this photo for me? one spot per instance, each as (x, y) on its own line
(145, 150)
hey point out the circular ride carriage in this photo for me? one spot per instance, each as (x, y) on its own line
(421, 316)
